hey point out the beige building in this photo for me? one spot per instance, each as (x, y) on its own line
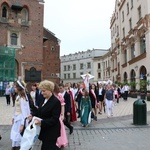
(130, 40)
(129, 58)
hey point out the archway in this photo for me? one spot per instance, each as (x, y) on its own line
(143, 79)
(125, 77)
(132, 79)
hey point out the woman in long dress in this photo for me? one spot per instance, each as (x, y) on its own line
(62, 141)
(85, 108)
(21, 112)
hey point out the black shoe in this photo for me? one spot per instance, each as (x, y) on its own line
(0, 137)
(95, 118)
(71, 130)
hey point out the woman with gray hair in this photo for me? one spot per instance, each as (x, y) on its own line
(49, 112)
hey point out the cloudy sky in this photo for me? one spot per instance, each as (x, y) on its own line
(79, 24)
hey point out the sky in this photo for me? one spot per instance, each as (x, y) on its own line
(79, 24)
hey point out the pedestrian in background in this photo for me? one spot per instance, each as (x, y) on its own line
(62, 141)
(39, 99)
(93, 94)
(86, 107)
(109, 97)
(67, 99)
(8, 94)
(101, 93)
(33, 92)
(13, 94)
(21, 111)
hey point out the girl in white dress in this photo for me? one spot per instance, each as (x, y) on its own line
(21, 111)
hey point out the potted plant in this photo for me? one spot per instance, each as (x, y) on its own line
(133, 93)
(143, 84)
(148, 95)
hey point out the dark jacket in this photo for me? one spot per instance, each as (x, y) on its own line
(50, 113)
(39, 99)
(67, 99)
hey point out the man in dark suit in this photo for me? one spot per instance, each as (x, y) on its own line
(67, 114)
(39, 99)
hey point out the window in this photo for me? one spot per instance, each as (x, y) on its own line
(64, 76)
(131, 4)
(127, 8)
(13, 39)
(123, 32)
(142, 45)
(123, 16)
(68, 67)
(81, 73)
(130, 23)
(117, 30)
(68, 75)
(88, 65)
(139, 12)
(74, 67)
(81, 66)
(125, 56)
(74, 75)
(64, 68)
(132, 51)
(24, 15)
(4, 12)
(99, 66)
(52, 48)
(99, 75)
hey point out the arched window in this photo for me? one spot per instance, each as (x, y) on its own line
(14, 39)
(4, 12)
(24, 15)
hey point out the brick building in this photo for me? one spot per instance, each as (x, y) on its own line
(21, 24)
(51, 53)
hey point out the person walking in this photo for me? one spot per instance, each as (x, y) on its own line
(94, 100)
(67, 113)
(21, 111)
(86, 107)
(109, 96)
(73, 115)
(126, 91)
(49, 112)
(13, 95)
(62, 141)
(78, 97)
(33, 92)
(8, 94)
(39, 99)
(101, 93)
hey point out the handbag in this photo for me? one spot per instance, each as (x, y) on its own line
(92, 114)
(30, 135)
(89, 117)
(24, 127)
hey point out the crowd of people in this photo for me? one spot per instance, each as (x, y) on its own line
(58, 106)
